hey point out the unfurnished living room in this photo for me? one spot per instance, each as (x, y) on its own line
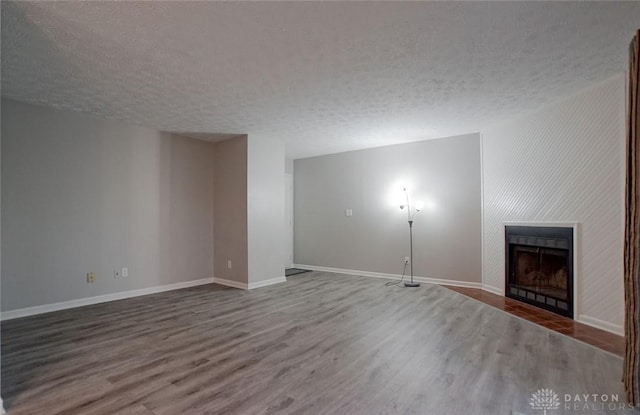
(320, 208)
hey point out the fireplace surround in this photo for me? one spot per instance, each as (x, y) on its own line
(539, 266)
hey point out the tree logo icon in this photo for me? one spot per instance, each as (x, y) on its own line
(544, 399)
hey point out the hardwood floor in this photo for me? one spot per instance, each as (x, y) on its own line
(321, 343)
(591, 335)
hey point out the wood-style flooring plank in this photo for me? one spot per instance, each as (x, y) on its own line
(321, 343)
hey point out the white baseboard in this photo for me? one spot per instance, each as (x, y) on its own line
(264, 283)
(47, 308)
(2, 411)
(493, 290)
(601, 324)
(426, 280)
(231, 283)
(251, 285)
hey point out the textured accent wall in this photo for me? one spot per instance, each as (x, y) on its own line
(563, 163)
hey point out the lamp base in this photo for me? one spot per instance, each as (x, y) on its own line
(411, 284)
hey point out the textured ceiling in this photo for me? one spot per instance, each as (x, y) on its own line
(323, 77)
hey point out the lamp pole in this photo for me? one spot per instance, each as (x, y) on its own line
(410, 220)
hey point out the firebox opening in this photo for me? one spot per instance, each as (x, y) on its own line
(540, 267)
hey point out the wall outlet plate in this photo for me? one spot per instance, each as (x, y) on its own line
(91, 277)
(124, 273)
(116, 273)
(406, 260)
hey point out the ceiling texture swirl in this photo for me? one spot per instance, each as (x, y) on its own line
(324, 77)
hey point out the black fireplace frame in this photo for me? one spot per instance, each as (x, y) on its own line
(540, 237)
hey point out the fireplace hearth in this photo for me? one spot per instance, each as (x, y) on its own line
(539, 267)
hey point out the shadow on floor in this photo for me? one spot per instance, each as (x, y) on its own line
(294, 271)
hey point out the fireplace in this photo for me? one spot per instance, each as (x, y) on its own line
(539, 267)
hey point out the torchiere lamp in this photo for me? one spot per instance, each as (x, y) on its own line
(410, 216)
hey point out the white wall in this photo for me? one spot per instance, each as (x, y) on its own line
(2, 411)
(447, 240)
(288, 219)
(81, 194)
(230, 210)
(265, 209)
(288, 207)
(564, 163)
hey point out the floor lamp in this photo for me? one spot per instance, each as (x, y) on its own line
(410, 216)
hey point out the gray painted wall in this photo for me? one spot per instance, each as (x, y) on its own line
(230, 209)
(447, 239)
(81, 194)
(265, 208)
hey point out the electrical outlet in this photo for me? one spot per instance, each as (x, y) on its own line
(124, 273)
(116, 273)
(91, 277)
(406, 260)
(229, 263)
